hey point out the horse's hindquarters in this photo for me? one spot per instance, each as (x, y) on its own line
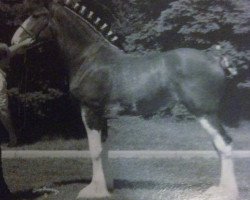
(196, 79)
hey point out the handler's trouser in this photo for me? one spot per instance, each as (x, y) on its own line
(4, 110)
(4, 191)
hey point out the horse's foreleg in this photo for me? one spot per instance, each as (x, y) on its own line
(98, 186)
(227, 189)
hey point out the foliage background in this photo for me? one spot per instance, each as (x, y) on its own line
(38, 80)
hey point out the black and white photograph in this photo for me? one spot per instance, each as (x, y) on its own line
(124, 99)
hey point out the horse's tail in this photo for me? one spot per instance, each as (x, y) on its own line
(230, 107)
(229, 70)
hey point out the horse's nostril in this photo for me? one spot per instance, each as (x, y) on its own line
(15, 40)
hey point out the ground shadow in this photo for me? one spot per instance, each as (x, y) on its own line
(127, 184)
(143, 184)
(69, 182)
(26, 194)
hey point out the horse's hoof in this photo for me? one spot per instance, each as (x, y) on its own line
(12, 144)
(92, 191)
(220, 193)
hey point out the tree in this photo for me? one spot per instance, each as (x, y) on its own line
(199, 24)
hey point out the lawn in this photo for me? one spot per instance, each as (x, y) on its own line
(135, 133)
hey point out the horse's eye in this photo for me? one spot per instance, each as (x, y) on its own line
(36, 16)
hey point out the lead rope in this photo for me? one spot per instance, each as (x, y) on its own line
(25, 90)
(24, 76)
(22, 108)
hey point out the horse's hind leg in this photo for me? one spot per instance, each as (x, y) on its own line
(227, 189)
(94, 124)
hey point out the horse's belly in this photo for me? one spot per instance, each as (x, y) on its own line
(143, 105)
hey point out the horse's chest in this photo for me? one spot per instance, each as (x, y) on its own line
(91, 86)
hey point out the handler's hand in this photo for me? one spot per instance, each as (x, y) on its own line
(21, 47)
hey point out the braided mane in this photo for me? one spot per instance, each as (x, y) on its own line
(89, 16)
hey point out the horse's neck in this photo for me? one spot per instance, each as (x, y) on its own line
(77, 40)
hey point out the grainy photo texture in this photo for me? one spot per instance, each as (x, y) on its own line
(124, 99)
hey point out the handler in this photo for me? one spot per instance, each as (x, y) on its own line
(5, 54)
(4, 190)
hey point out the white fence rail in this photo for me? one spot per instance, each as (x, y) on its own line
(143, 154)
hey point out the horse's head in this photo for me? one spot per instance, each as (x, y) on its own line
(37, 26)
(74, 28)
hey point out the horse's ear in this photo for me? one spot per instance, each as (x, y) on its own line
(46, 3)
(31, 5)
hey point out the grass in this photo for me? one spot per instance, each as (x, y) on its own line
(52, 144)
(25, 176)
(135, 133)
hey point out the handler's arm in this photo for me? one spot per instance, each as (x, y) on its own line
(20, 48)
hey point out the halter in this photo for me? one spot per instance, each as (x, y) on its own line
(25, 30)
(38, 41)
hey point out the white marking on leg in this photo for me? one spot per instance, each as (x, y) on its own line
(217, 139)
(206, 125)
(95, 148)
(16, 39)
(98, 187)
(227, 180)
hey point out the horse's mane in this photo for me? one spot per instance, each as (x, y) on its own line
(89, 16)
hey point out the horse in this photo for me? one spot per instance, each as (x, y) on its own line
(102, 76)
